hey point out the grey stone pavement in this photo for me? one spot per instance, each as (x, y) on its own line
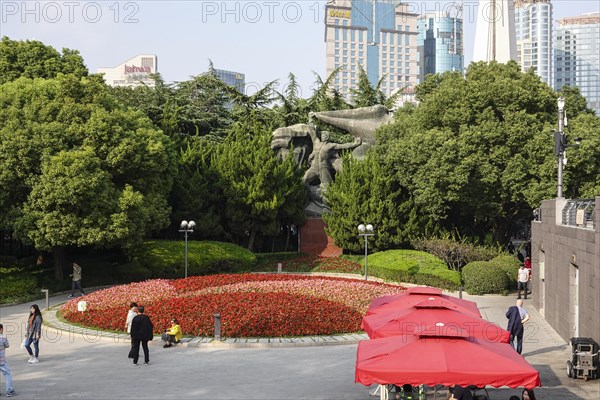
(77, 363)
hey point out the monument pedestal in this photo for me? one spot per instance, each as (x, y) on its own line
(315, 242)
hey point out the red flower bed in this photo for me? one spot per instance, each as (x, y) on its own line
(251, 305)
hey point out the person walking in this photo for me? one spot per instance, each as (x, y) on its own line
(141, 333)
(522, 279)
(131, 313)
(76, 280)
(10, 392)
(528, 267)
(33, 333)
(517, 316)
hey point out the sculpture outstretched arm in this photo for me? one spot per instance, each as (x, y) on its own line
(357, 142)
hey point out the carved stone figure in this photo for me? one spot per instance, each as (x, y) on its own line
(311, 147)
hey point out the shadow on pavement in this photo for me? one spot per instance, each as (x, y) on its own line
(545, 350)
(548, 377)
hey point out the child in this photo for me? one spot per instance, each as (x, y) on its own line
(4, 364)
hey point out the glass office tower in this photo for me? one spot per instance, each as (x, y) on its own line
(577, 56)
(235, 79)
(379, 35)
(439, 44)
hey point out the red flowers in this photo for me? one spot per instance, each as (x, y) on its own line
(250, 305)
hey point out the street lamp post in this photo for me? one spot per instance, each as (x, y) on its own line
(186, 227)
(366, 231)
(559, 144)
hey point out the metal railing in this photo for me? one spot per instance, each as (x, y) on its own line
(580, 213)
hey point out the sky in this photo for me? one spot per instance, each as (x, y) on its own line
(265, 40)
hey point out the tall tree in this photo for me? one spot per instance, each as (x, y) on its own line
(76, 168)
(33, 59)
(365, 192)
(478, 149)
(197, 193)
(293, 108)
(260, 189)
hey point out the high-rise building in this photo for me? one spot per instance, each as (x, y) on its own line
(533, 23)
(235, 79)
(379, 35)
(439, 44)
(576, 56)
(495, 38)
(133, 72)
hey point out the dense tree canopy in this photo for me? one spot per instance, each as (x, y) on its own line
(364, 192)
(478, 149)
(262, 192)
(77, 169)
(33, 59)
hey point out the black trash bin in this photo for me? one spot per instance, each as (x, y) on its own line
(584, 362)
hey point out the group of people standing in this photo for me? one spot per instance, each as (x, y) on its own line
(140, 328)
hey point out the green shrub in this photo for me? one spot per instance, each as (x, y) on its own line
(132, 272)
(17, 286)
(165, 259)
(483, 277)
(413, 267)
(456, 253)
(510, 265)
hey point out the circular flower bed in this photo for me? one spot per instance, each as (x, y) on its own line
(251, 305)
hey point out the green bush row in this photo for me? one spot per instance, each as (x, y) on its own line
(413, 266)
(166, 259)
(498, 275)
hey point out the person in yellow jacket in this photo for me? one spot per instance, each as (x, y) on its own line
(172, 335)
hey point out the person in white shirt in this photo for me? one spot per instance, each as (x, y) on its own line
(522, 279)
(130, 315)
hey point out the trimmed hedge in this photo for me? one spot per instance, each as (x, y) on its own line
(165, 258)
(499, 275)
(413, 266)
(510, 265)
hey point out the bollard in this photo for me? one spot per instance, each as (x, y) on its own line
(47, 299)
(460, 289)
(279, 267)
(217, 326)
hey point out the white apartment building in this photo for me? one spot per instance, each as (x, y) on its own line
(133, 72)
(533, 23)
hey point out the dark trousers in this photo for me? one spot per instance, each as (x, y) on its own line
(76, 285)
(521, 286)
(519, 336)
(135, 350)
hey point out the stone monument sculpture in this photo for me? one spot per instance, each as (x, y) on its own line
(311, 147)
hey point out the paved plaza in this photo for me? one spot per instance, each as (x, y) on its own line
(85, 364)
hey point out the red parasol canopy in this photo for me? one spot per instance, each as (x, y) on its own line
(450, 360)
(439, 315)
(416, 295)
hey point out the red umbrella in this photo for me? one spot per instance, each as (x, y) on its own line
(454, 359)
(416, 295)
(413, 290)
(438, 313)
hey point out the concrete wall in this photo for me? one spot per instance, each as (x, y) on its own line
(558, 253)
